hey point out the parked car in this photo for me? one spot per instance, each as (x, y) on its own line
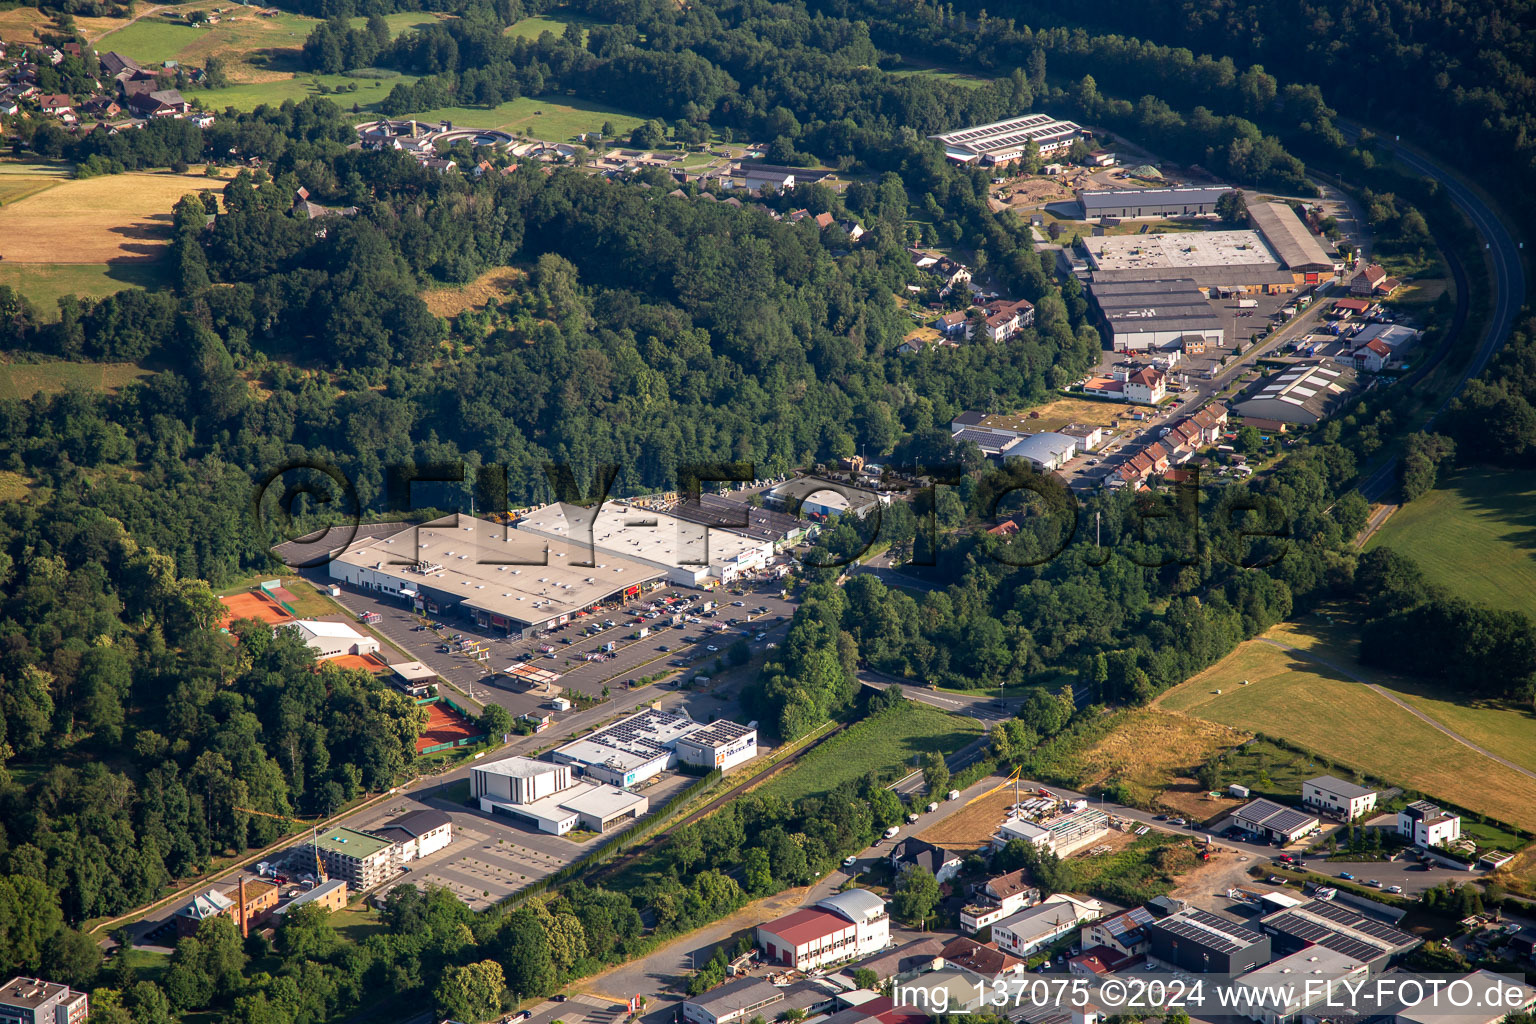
(1346, 876)
(850, 860)
(1394, 888)
(1373, 883)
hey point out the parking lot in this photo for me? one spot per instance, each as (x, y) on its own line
(572, 644)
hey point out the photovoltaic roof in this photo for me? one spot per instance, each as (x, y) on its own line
(1217, 933)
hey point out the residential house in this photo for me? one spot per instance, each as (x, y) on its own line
(1372, 357)
(1088, 437)
(914, 956)
(1124, 933)
(159, 103)
(1033, 929)
(1146, 386)
(1345, 799)
(56, 104)
(1373, 280)
(914, 852)
(953, 325)
(1004, 895)
(953, 273)
(985, 960)
(1005, 319)
(1424, 824)
(100, 107)
(114, 64)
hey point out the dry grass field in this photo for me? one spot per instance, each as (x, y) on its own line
(24, 24)
(493, 286)
(1293, 698)
(974, 824)
(110, 219)
(1153, 746)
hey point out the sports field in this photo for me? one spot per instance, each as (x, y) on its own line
(1475, 536)
(444, 725)
(23, 380)
(114, 218)
(1297, 700)
(254, 605)
(888, 744)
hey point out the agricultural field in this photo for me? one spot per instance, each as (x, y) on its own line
(1505, 728)
(108, 219)
(1474, 535)
(24, 24)
(886, 744)
(23, 380)
(1293, 698)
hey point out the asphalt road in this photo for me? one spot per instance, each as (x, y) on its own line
(1508, 283)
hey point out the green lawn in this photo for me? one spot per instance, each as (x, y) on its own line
(546, 117)
(370, 92)
(886, 744)
(153, 40)
(45, 283)
(147, 964)
(400, 22)
(357, 921)
(1474, 535)
(554, 21)
(910, 69)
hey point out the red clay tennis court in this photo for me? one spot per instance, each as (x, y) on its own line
(254, 604)
(367, 662)
(444, 725)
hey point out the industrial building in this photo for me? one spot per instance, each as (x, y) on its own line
(686, 553)
(35, 1001)
(852, 923)
(330, 895)
(719, 513)
(505, 579)
(545, 796)
(1045, 452)
(332, 639)
(363, 860)
(1136, 203)
(821, 499)
(1304, 393)
(1005, 141)
(746, 998)
(1333, 924)
(1197, 940)
(1286, 989)
(1142, 316)
(1274, 821)
(646, 744)
(1449, 1005)
(1298, 248)
(1345, 799)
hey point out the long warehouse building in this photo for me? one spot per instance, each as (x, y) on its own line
(506, 579)
(1137, 203)
(1145, 315)
(1003, 141)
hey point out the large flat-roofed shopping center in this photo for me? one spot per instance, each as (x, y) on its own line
(684, 552)
(505, 578)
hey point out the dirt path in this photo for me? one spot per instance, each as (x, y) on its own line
(1415, 712)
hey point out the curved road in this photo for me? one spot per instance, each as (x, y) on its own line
(1508, 282)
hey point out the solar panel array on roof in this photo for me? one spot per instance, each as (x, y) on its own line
(1219, 933)
(984, 438)
(1288, 821)
(1357, 921)
(1258, 810)
(1298, 927)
